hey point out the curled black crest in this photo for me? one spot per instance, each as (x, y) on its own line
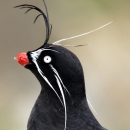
(45, 16)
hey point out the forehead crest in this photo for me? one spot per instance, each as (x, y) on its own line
(35, 54)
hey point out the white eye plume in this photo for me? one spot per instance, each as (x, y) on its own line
(61, 86)
(65, 39)
(47, 59)
(35, 56)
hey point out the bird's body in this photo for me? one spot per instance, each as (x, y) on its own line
(62, 103)
(49, 115)
(48, 112)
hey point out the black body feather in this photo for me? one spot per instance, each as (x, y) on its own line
(48, 112)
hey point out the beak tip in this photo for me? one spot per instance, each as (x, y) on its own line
(15, 58)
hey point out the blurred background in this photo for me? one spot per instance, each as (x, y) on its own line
(106, 60)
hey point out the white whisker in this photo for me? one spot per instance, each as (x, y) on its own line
(91, 106)
(35, 54)
(54, 70)
(80, 45)
(76, 45)
(41, 73)
(65, 39)
(63, 97)
(50, 50)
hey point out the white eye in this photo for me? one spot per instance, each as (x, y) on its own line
(47, 59)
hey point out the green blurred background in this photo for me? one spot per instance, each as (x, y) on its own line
(106, 60)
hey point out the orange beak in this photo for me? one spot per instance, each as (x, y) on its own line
(22, 58)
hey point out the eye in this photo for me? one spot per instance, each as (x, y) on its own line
(47, 59)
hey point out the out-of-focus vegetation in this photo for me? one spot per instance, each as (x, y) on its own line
(106, 60)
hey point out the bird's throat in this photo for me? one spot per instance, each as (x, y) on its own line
(48, 113)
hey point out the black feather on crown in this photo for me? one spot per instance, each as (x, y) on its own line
(45, 16)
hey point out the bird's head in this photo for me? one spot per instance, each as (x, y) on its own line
(55, 67)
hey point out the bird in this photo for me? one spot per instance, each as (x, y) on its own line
(62, 102)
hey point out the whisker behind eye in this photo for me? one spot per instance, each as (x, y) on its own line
(91, 106)
(80, 45)
(65, 39)
(63, 97)
(58, 76)
(44, 49)
(44, 77)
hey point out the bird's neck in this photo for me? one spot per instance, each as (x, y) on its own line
(49, 113)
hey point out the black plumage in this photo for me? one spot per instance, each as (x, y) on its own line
(48, 112)
(62, 103)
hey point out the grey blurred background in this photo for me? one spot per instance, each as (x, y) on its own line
(106, 60)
